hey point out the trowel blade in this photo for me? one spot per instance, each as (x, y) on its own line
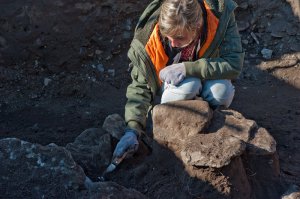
(113, 165)
(109, 169)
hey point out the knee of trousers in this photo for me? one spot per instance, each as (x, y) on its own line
(186, 90)
(218, 92)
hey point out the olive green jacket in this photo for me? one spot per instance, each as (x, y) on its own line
(222, 60)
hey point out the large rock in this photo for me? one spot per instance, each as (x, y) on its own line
(213, 150)
(92, 149)
(35, 171)
(226, 148)
(174, 122)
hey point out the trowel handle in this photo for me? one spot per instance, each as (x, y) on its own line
(117, 160)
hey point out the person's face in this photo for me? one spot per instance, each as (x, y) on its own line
(182, 38)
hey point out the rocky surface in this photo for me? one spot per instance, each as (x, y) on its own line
(53, 170)
(35, 171)
(212, 150)
(63, 69)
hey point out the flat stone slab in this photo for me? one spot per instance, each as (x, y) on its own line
(212, 150)
(174, 122)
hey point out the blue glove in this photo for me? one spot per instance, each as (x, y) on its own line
(127, 143)
(173, 74)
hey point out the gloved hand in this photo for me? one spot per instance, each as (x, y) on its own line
(128, 142)
(173, 74)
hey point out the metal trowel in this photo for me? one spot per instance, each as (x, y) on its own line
(113, 165)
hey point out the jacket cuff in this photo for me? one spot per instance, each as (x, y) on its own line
(133, 125)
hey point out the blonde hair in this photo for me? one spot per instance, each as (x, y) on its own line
(178, 15)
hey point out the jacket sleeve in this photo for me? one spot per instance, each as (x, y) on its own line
(139, 100)
(228, 64)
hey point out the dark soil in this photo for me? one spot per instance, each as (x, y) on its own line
(82, 49)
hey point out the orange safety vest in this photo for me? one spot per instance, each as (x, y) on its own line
(156, 51)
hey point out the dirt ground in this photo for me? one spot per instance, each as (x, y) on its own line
(63, 69)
